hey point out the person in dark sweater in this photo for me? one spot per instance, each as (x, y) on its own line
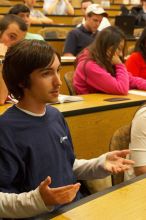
(82, 36)
(139, 12)
(35, 141)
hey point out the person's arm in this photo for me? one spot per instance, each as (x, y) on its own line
(43, 199)
(138, 142)
(3, 89)
(37, 17)
(44, 20)
(106, 164)
(21, 205)
(98, 79)
(70, 9)
(52, 6)
(137, 83)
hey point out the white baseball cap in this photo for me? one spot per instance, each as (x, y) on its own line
(96, 9)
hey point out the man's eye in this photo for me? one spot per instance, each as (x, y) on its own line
(12, 37)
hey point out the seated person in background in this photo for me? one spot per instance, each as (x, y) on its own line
(58, 7)
(41, 134)
(100, 68)
(136, 62)
(24, 12)
(138, 144)
(124, 10)
(82, 36)
(84, 5)
(28, 204)
(140, 13)
(12, 30)
(36, 16)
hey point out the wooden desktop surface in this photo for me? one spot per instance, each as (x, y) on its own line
(126, 201)
(93, 121)
(98, 102)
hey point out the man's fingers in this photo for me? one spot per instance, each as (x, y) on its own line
(122, 153)
(121, 168)
(46, 182)
(69, 195)
(66, 188)
(130, 162)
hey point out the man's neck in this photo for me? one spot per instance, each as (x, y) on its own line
(31, 106)
(86, 27)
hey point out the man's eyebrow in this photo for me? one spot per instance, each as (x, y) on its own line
(13, 34)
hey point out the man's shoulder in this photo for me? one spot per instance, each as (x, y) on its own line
(51, 110)
(32, 36)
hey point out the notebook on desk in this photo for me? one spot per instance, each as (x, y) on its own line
(126, 23)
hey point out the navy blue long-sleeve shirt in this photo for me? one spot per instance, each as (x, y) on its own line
(32, 148)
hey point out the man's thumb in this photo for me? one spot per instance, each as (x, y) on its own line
(47, 181)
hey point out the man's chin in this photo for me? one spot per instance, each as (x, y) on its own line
(53, 100)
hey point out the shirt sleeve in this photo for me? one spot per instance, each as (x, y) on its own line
(101, 80)
(138, 138)
(137, 82)
(22, 205)
(90, 169)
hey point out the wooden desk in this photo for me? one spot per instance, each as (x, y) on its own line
(93, 121)
(78, 11)
(35, 28)
(126, 201)
(63, 19)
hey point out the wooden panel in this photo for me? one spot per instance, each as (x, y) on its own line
(92, 132)
(37, 28)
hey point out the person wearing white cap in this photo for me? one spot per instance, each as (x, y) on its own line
(82, 36)
(97, 9)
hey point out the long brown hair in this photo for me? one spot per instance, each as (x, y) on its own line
(109, 37)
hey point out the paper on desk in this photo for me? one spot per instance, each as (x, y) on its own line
(69, 98)
(11, 100)
(68, 58)
(137, 92)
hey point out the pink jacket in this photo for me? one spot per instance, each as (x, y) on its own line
(92, 78)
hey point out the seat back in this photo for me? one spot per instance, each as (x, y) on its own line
(68, 77)
(120, 141)
(77, 20)
(54, 32)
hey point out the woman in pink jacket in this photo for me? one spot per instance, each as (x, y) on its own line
(100, 68)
